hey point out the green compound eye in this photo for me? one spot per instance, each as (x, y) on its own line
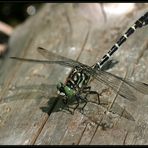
(65, 89)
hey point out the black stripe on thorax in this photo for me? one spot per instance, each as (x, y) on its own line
(77, 79)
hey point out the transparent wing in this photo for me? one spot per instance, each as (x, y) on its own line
(108, 79)
(125, 84)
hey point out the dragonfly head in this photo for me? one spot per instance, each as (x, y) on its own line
(65, 90)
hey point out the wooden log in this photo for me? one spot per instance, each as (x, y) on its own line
(77, 31)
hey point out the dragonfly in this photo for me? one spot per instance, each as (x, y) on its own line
(77, 82)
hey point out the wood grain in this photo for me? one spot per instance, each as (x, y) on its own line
(70, 30)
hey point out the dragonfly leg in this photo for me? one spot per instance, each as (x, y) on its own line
(98, 95)
(85, 100)
(77, 97)
(88, 91)
(65, 101)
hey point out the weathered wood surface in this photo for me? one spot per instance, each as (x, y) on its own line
(36, 118)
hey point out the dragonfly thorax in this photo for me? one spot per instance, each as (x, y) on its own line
(77, 79)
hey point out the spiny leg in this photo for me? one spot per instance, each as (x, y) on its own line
(77, 97)
(87, 88)
(85, 100)
(94, 92)
(88, 91)
(65, 102)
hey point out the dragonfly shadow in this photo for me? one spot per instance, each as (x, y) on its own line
(38, 92)
(56, 104)
(96, 115)
(52, 105)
